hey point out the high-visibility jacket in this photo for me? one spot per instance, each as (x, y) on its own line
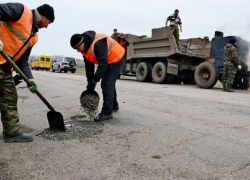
(15, 34)
(115, 50)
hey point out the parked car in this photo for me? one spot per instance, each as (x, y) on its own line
(64, 64)
(41, 62)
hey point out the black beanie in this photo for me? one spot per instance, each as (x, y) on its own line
(76, 40)
(232, 41)
(47, 11)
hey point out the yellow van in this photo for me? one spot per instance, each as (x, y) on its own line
(41, 62)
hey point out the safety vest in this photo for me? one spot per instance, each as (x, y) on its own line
(15, 34)
(115, 50)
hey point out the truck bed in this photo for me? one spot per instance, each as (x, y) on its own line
(161, 44)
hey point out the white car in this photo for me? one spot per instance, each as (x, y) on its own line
(64, 64)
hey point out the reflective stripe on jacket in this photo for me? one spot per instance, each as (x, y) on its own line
(15, 34)
(115, 50)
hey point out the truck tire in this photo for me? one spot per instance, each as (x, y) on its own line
(241, 83)
(206, 75)
(143, 72)
(160, 75)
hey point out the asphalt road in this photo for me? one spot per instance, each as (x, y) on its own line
(160, 132)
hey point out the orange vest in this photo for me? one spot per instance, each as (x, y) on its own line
(15, 34)
(115, 50)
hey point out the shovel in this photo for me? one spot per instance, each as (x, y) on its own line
(55, 119)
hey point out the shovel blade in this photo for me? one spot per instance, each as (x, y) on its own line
(56, 121)
(87, 92)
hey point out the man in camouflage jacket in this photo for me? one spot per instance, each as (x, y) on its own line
(231, 62)
(117, 36)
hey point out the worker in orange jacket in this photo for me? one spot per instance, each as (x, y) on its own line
(18, 34)
(98, 48)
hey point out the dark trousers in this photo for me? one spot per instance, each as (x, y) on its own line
(108, 88)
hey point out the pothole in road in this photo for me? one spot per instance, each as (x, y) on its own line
(74, 130)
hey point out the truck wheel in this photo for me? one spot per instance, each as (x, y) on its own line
(143, 72)
(160, 75)
(73, 71)
(241, 82)
(206, 75)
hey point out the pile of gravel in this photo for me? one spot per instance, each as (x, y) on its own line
(74, 130)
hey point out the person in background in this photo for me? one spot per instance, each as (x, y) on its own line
(231, 63)
(117, 36)
(175, 21)
(20, 25)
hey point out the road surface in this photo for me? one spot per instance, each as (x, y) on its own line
(160, 132)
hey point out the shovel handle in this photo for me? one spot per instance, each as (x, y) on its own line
(13, 64)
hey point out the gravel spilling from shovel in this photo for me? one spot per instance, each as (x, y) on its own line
(89, 105)
(74, 130)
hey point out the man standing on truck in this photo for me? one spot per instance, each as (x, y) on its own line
(98, 48)
(175, 21)
(117, 36)
(231, 62)
(18, 34)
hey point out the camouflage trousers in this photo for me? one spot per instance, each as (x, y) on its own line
(229, 72)
(8, 105)
(176, 35)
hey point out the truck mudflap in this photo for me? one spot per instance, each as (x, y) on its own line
(172, 68)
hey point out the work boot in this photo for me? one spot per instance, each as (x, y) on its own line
(229, 86)
(224, 86)
(103, 117)
(20, 138)
(116, 108)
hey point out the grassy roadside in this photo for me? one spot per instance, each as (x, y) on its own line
(80, 71)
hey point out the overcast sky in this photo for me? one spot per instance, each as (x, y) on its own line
(199, 17)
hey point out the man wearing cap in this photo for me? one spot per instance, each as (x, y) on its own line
(18, 34)
(98, 48)
(175, 21)
(231, 62)
(117, 36)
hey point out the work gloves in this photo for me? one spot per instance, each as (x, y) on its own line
(239, 67)
(32, 88)
(91, 85)
(1, 45)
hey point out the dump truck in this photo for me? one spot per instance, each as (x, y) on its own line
(197, 61)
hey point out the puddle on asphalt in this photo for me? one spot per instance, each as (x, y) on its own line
(23, 97)
(21, 88)
(75, 129)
